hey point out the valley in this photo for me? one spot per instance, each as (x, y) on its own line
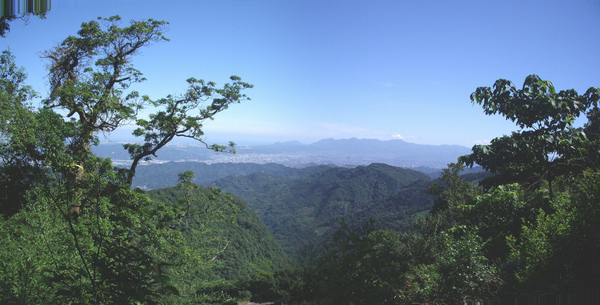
(302, 192)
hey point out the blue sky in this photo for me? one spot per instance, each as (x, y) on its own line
(384, 69)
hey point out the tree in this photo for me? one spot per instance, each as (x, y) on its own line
(96, 239)
(358, 266)
(449, 264)
(558, 250)
(450, 194)
(15, 113)
(540, 208)
(15, 141)
(547, 144)
(174, 120)
(91, 73)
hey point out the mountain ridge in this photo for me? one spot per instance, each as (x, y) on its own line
(304, 211)
(341, 152)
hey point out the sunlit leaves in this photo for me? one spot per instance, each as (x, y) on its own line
(464, 270)
(547, 144)
(183, 116)
(536, 105)
(89, 72)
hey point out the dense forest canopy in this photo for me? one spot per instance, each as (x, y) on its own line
(73, 231)
(305, 210)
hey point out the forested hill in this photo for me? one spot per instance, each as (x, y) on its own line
(244, 245)
(306, 210)
(165, 175)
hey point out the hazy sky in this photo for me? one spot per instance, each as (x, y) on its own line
(340, 69)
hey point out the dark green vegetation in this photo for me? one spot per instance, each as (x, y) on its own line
(247, 248)
(530, 231)
(165, 175)
(302, 206)
(72, 231)
(304, 211)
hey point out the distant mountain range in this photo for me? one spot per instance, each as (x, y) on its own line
(344, 152)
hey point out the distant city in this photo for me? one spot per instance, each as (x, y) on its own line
(345, 152)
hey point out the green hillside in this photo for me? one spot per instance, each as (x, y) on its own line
(247, 245)
(165, 175)
(304, 211)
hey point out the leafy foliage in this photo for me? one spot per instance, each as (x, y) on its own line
(221, 220)
(360, 266)
(518, 233)
(80, 233)
(174, 120)
(547, 144)
(91, 73)
(303, 211)
(532, 228)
